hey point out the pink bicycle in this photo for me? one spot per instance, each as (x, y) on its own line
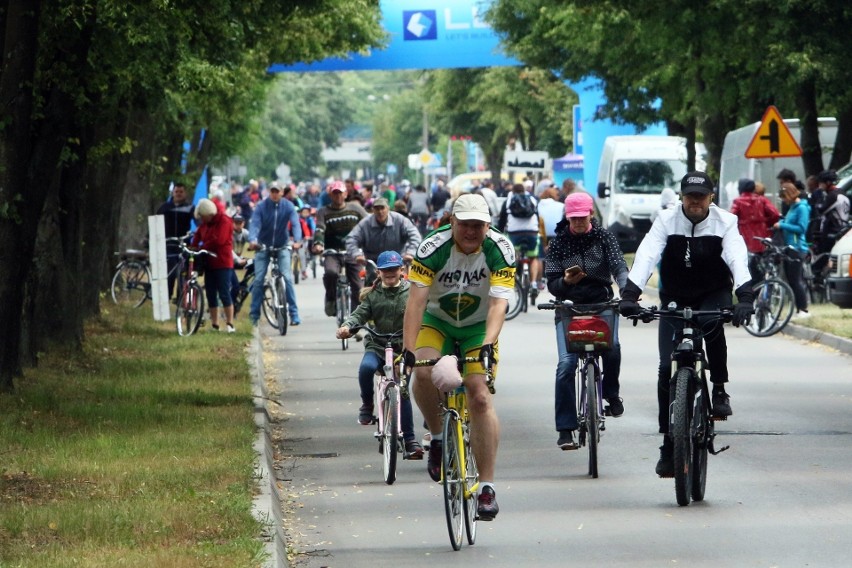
(387, 393)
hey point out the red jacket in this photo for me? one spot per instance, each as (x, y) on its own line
(217, 236)
(756, 216)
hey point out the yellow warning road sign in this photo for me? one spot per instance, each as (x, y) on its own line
(773, 139)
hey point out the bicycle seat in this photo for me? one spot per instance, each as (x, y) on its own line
(135, 254)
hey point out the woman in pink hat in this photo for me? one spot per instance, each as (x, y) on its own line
(582, 261)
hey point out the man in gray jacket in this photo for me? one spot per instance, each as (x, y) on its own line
(381, 231)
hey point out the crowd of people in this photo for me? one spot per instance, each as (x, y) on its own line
(445, 271)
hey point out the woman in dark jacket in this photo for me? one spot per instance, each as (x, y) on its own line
(595, 251)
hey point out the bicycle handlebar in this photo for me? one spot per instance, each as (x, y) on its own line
(376, 334)
(687, 314)
(579, 309)
(188, 251)
(267, 248)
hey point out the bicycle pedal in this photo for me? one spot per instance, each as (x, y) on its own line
(607, 411)
(718, 418)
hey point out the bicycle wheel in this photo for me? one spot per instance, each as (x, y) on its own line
(281, 306)
(190, 309)
(773, 308)
(452, 480)
(515, 302)
(296, 265)
(131, 284)
(701, 435)
(471, 482)
(592, 415)
(525, 291)
(679, 430)
(268, 305)
(390, 437)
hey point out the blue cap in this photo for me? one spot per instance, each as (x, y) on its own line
(389, 259)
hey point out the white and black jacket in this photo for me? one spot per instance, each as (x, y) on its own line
(695, 259)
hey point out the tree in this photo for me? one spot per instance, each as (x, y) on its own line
(493, 105)
(102, 93)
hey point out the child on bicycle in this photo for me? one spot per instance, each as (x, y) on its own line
(384, 305)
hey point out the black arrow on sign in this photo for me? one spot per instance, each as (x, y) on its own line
(774, 140)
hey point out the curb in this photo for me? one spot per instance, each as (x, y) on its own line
(266, 507)
(822, 337)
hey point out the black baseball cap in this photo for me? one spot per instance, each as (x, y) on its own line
(696, 182)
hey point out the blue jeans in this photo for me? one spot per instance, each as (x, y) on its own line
(371, 363)
(566, 369)
(261, 263)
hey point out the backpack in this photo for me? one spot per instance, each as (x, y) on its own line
(522, 205)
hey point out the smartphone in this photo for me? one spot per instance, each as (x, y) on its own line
(573, 270)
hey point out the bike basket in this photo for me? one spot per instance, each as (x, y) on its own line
(592, 332)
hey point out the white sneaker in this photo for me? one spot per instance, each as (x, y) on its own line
(801, 315)
(231, 328)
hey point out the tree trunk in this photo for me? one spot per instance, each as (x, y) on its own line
(20, 201)
(843, 142)
(809, 127)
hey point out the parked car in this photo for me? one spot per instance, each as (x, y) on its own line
(839, 280)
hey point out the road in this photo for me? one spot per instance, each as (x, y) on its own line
(781, 496)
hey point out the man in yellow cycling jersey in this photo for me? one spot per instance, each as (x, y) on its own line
(462, 277)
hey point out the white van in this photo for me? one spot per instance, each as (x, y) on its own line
(839, 279)
(633, 171)
(735, 165)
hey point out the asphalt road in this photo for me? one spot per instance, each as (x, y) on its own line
(781, 496)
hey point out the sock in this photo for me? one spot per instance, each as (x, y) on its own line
(484, 484)
(438, 437)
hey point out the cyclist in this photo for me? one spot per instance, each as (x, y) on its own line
(270, 226)
(216, 235)
(833, 213)
(519, 219)
(703, 259)
(596, 252)
(308, 227)
(382, 230)
(334, 222)
(384, 304)
(462, 278)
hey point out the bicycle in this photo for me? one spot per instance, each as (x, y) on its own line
(245, 286)
(190, 303)
(691, 418)
(275, 291)
(589, 331)
(296, 267)
(131, 283)
(774, 302)
(459, 474)
(387, 404)
(343, 295)
(526, 291)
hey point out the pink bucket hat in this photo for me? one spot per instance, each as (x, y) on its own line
(579, 204)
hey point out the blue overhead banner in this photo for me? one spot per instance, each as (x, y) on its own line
(424, 34)
(447, 34)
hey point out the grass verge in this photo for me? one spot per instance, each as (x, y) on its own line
(135, 452)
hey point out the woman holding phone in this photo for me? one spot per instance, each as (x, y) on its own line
(582, 261)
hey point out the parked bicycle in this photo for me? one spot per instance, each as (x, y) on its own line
(131, 283)
(343, 296)
(589, 331)
(274, 304)
(459, 474)
(387, 404)
(691, 418)
(244, 288)
(190, 302)
(774, 303)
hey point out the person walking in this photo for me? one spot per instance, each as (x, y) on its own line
(794, 227)
(215, 234)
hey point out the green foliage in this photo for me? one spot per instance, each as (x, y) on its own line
(493, 105)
